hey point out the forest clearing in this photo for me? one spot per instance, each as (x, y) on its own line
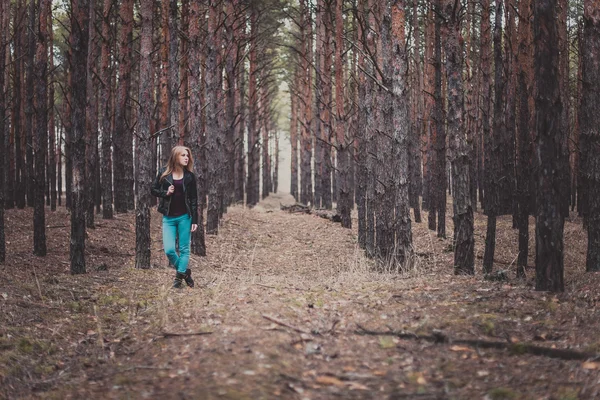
(278, 311)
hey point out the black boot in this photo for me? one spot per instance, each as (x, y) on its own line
(177, 282)
(188, 278)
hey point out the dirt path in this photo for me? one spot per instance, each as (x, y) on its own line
(276, 312)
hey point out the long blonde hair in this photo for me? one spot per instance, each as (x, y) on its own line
(175, 152)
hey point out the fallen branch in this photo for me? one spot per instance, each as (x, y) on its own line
(516, 348)
(278, 322)
(304, 209)
(175, 334)
(296, 208)
(328, 214)
(145, 367)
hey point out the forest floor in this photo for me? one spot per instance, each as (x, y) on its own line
(287, 306)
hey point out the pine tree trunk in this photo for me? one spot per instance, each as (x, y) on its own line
(464, 256)
(416, 177)
(253, 148)
(18, 106)
(184, 76)
(491, 170)
(440, 136)
(4, 11)
(29, 105)
(91, 160)
(327, 93)
(563, 67)
(198, 245)
(106, 94)
(371, 143)
(430, 194)
(361, 143)
(166, 141)
(214, 139)
(306, 195)
(52, 156)
(79, 46)
(266, 158)
(122, 138)
(144, 167)
(510, 46)
(590, 127)
(239, 161)
(173, 74)
(548, 108)
(294, 145)
(40, 142)
(343, 145)
(525, 133)
(401, 122)
(8, 162)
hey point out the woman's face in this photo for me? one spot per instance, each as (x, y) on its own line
(183, 159)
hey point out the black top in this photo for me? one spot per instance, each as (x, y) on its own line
(177, 199)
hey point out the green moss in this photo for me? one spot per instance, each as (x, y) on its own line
(386, 342)
(25, 346)
(502, 393)
(518, 348)
(567, 394)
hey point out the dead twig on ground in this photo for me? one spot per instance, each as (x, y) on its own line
(176, 334)
(516, 348)
(278, 322)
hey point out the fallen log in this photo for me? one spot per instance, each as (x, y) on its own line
(296, 208)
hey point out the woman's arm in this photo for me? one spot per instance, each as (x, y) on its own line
(157, 188)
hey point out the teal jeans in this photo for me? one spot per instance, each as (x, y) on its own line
(177, 226)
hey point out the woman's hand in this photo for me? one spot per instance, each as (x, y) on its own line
(194, 227)
(171, 190)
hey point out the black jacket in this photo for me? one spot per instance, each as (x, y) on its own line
(159, 189)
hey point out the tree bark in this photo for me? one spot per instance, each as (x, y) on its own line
(198, 240)
(252, 186)
(440, 136)
(525, 185)
(549, 261)
(122, 138)
(491, 150)
(590, 127)
(294, 143)
(106, 115)
(144, 167)
(40, 142)
(4, 10)
(343, 145)
(401, 122)
(214, 139)
(91, 160)
(464, 256)
(52, 154)
(361, 142)
(79, 47)
(29, 105)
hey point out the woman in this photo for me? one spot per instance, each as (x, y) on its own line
(175, 186)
